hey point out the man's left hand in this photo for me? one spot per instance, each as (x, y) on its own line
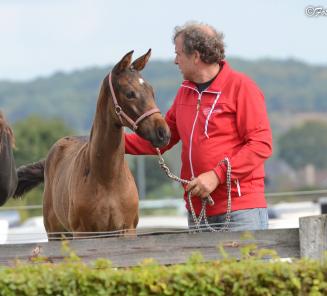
(203, 184)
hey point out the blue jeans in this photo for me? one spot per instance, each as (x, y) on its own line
(242, 220)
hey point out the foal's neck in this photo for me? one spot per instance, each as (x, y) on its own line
(107, 147)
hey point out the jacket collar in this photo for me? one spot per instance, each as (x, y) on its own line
(217, 85)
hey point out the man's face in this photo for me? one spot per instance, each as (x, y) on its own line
(185, 62)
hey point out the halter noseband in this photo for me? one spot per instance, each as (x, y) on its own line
(120, 113)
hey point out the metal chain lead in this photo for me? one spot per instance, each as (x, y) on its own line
(203, 213)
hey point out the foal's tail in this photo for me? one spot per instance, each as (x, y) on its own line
(29, 176)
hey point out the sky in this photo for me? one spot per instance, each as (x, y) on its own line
(41, 37)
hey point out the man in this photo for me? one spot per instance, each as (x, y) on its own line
(217, 113)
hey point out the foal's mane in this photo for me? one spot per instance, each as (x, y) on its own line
(103, 94)
(5, 129)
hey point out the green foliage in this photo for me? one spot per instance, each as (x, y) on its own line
(306, 144)
(35, 136)
(249, 276)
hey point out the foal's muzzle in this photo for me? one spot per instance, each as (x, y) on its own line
(162, 136)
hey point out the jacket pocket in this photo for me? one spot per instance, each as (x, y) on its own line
(217, 120)
(238, 187)
(210, 110)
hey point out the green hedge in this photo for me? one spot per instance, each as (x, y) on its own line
(248, 276)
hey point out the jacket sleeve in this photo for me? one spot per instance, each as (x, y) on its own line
(136, 145)
(254, 128)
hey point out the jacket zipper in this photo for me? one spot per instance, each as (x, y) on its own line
(195, 120)
(191, 136)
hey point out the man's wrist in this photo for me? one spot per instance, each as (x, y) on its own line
(216, 175)
(220, 172)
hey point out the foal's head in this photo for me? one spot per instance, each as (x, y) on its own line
(135, 105)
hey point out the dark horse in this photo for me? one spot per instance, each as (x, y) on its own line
(88, 185)
(8, 176)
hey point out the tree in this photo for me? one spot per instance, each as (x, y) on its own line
(306, 144)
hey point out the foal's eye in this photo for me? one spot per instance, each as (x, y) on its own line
(131, 95)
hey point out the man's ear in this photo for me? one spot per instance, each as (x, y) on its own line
(123, 63)
(140, 63)
(197, 57)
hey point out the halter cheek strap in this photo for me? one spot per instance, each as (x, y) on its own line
(121, 114)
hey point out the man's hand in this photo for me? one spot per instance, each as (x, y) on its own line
(203, 184)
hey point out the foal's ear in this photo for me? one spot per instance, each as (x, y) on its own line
(140, 63)
(124, 62)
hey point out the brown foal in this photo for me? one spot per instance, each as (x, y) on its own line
(88, 185)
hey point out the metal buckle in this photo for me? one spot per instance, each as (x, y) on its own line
(118, 109)
(161, 160)
(210, 200)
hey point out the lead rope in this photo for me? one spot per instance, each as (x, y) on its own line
(205, 201)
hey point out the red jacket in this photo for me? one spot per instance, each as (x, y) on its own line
(227, 119)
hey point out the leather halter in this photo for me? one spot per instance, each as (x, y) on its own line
(120, 113)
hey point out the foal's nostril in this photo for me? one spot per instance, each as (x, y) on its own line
(161, 136)
(161, 133)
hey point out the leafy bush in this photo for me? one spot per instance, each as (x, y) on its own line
(249, 276)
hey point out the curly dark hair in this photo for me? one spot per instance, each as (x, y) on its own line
(203, 38)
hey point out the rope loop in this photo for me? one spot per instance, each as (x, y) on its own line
(205, 201)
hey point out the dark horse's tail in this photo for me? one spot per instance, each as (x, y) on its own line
(29, 176)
